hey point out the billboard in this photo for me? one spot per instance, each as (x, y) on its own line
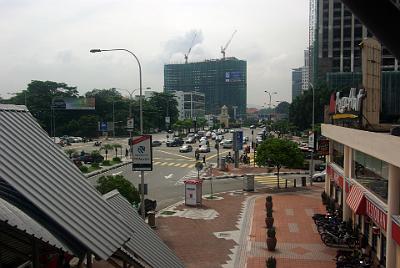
(142, 155)
(235, 76)
(74, 103)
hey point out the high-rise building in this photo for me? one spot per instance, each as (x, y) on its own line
(338, 35)
(306, 72)
(190, 104)
(223, 82)
(297, 75)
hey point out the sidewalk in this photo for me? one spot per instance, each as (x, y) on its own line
(229, 231)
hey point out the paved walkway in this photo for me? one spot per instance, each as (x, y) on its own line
(229, 231)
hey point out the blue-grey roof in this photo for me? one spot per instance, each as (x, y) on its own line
(15, 217)
(39, 177)
(146, 243)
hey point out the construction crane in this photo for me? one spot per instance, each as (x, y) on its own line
(190, 48)
(227, 44)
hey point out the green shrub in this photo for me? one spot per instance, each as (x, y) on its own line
(116, 159)
(95, 165)
(97, 157)
(84, 169)
(106, 184)
(106, 163)
(271, 232)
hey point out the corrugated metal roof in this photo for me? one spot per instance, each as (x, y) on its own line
(14, 217)
(146, 242)
(41, 172)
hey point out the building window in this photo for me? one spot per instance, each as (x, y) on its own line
(372, 173)
(338, 153)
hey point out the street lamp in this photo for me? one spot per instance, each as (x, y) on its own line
(140, 113)
(270, 97)
(312, 129)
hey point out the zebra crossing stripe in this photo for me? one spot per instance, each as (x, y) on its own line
(163, 164)
(184, 165)
(177, 165)
(156, 163)
(171, 164)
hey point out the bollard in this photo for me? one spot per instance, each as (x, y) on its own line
(294, 183)
(286, 183)
(151, 220)
(303, 181)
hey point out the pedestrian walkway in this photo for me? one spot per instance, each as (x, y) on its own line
(229, 231)
(270, 181)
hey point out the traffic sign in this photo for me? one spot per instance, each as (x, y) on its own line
(142, 155)
(129, 124)
(103, 126)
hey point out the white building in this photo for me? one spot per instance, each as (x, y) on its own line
(190, 104)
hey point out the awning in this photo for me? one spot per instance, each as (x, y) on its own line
(356, 199)
(396, 228)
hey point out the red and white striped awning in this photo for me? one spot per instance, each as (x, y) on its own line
(356, 199)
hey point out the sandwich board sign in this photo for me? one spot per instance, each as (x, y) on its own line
(142, 155)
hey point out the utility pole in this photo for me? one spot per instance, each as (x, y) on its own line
(312, 133)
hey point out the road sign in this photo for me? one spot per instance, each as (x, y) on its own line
(102, 126)
(311, 140)
(199, 166)
(238, 140)
(129, 124)
(142, 155)
(167, 119)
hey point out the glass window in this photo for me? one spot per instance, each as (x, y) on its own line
(371, 173)
(338, 153)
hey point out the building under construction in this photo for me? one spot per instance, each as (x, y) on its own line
(223, 82)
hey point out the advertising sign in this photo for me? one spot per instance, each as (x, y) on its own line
(102, 126)
(167, 120)
(311, 140)
(323, 147)
(142, 155)
(346, 107)
(238, 140)
(233, 76)
(376, 214)
(74, 103)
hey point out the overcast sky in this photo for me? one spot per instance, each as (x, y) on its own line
(50, 40)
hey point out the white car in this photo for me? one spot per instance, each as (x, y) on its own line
(203, 139)
(227, 144)
(204, 149)
(319, 176)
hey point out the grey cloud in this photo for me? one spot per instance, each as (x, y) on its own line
(181, 44)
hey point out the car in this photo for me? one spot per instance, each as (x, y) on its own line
(231, 130)
(252, 127)
(204, 149)
(213, 136)
(220, 138)
(227, 144)
(186, 149)
(156, 143)
(175, 142)
(203, 139)
(191, 140)
(319, 176)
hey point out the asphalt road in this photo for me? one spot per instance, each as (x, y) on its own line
(170, 168)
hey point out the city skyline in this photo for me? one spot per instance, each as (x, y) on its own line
(46, 41)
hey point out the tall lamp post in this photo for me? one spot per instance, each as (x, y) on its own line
(270, 97)
(140, 114)
(130, 104)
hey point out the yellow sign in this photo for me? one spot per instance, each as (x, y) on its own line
(344, 116)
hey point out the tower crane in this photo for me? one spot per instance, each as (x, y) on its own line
(190, 48)
(227, 44)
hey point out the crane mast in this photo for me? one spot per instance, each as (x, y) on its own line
(190, 48)
(227, 44)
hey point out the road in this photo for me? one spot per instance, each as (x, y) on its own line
(171, 168)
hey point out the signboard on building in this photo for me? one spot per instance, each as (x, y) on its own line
(142, 155)
(233, 76)
(323, 147)
(377, 214)
(238, 140)
(346, 107)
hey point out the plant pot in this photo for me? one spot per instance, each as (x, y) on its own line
(269, 222)
(271, 243)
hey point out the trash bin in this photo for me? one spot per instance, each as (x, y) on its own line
(193, 192)
(151, 220)
(248, 183)
(222, 164)
(303, 181)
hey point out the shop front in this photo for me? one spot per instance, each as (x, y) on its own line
(335, 176)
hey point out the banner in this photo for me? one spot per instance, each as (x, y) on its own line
(142, 155)
(74, 104)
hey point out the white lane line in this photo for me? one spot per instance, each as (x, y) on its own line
(115, 174)
(165, 152)
(169, 176)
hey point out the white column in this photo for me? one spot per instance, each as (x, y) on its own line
(328, 159)
(346, 171)
(393, 209)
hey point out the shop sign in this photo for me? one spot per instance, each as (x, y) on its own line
(346, 107)
(334, 176)
(323, 147)
(376, 214)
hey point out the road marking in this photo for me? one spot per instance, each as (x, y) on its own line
(184, 165)
(115, 174)
(165, 152)
(169, 176)
(156, 163)
(171, 164)
(177, 165)
(269, 180)
(163, 164)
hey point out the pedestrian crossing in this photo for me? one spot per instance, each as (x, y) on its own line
(270, 181)
(174, 164)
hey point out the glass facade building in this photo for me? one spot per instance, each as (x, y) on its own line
(223, 82)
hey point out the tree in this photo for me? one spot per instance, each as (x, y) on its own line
(116, 146)
(126, 189)
(106, 147)
(282, 108)
(279, 153)
(70, 152)
(167, 106)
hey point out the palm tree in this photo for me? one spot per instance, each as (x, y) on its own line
(106, 147)
(116, 146)
(70, 152)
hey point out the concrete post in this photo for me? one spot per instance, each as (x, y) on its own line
(393, 209)
(328, 159)
(346, 171)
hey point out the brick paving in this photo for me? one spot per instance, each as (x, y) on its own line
(236, 235)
